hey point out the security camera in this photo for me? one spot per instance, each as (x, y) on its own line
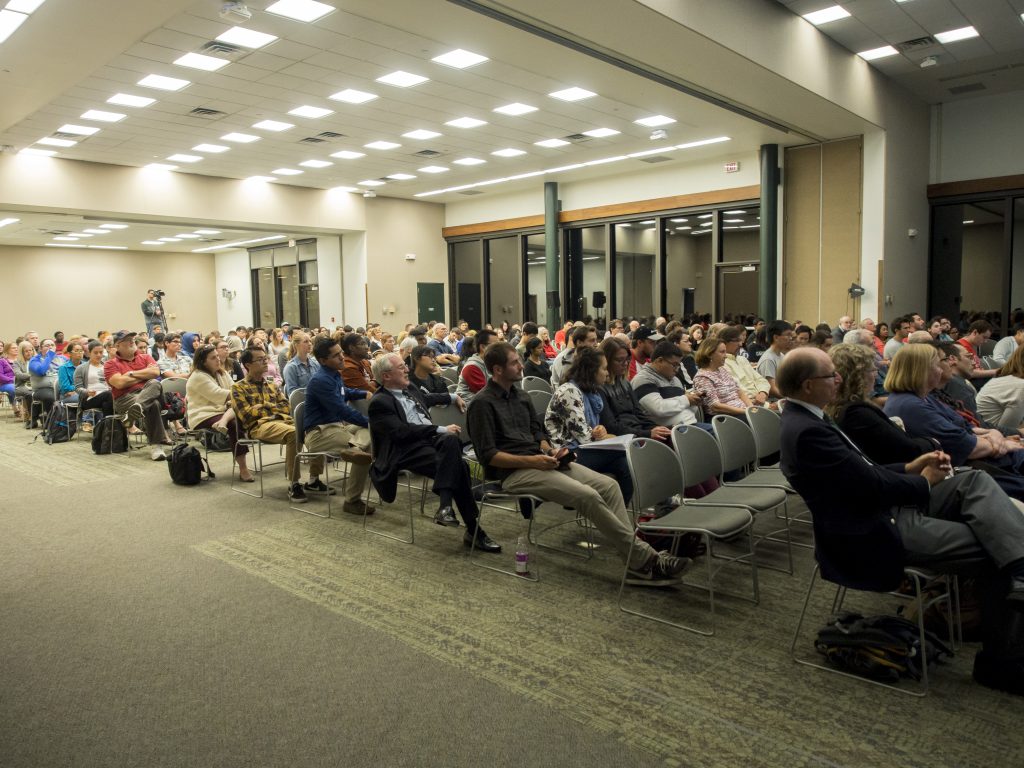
(369, 193)
(236, 11)
(659, 134)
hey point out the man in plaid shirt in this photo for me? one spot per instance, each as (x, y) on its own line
(262, 410)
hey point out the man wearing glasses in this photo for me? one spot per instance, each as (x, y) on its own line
(780, 340)
(660, 391)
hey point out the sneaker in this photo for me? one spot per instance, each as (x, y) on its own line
(664, 570)
(157, 454)
(134, 413)
(317, 487)
(296, 495)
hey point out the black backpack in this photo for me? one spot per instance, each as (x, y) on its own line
(880, 647)
(110, 436)
(58, 427)
(186, 465)
(174, 405)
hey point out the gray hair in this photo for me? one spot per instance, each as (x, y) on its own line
(858, 336)
(407, 345)
(385, 364)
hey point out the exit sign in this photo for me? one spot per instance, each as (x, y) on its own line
(732, 167)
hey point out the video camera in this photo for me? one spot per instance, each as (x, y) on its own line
(158, 293)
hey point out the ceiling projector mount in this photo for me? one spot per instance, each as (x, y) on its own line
(236, 11)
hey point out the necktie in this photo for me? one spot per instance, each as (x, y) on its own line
(831, 422)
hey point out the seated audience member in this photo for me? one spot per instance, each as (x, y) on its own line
(231, 366)
(643, 341)
(419, 333)
(562, 335)
(780, 341)
(58, 342)
(934, 328)
(878, 518)
(844, 326)
(474, 374)
(977, 334)
(582, 336)
(208, 395)
(444, 352)
(43, 367)
(1001, 401)
(914, 372)
(425, 375)
(405, 438)
(821, 340)
(407, 345)
(687, 366)
(191, 341)
(864, 338)
(8, 356)
(660, 392)
(1007, 345)
(621, 413)
(535, 362)
(549, 349)
(261, 411)
(529, 332)
(277, 343)
(23, 380)
(719, 392)
(301, 366)
(696, 333)
(75, 353)
(902, 327)
(752, 384)
(134, 383)
(355, 372)
(173, 363)
(802, 335)
(756, 342)
(387, 343)
(335, 427)
(573, 418)
(513, 448)
(91, 385)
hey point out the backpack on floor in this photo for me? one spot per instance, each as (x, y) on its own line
(186, 465)
(879, 647)
(110, 436)
(58, 427)
(174, 406)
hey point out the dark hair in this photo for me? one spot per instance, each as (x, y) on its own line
(348, 342)
(423, 350)
(804, 329)
(580, 333)
(199, 361)
(980, 326)
(497, 354)
(322, 348)
(248, 353)
(71, 346)
(819, 338)
(469, 346)
(532, 344)
(530, 327)
(666, 349)
(483, 337)
(92, 345)
(732, 333)
(777, 328)
(611, 347)
(171, 337)
(583, 371)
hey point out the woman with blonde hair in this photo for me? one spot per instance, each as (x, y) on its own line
(277, 342)
(23, 378)
(1001, 400)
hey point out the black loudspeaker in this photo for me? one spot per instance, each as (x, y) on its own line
(599, 299)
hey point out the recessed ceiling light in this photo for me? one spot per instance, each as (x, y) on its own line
(878, 53)
(509, 152)
(97, 231)
(65, 237)
(247, 38)
(187, 236)
(207, 231)
(272, 125)
(702, 142)
(80, 234)
(241, 138)
(421, 133)
(127, 100)
(50, 142)
(601, 133)
(515, 109)
(152, 242)
(706, 223)
(733, 221)
(110, 247)
(184, 158)
(606, 160)
(572, 94)
(348, 154)
(401, 79)
(261, 178)
(469, 161)
(459, 59)
(199, 61)
(705, 216)
(730, 213)
(678, 221)
(372, 183)
(352, 96)
(38, 152)
(825, 15)
(113, 226)
(401, 176)
(163, 83)
(9, 22)
(24, 6)
(81, 130)
(300, 10)
(161, 167)
(286, 172)
(104, 117)
(466, 122)
(968, 221)
(315, 163)
(343, 189)
(433, 169)
(59, 245)
(964, 33)
(5, 222)
(655, 120)
(169, 240)
(382, 145)
(213, 148)
(551, 143)
(314, 112)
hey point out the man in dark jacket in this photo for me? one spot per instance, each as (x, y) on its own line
(622, 414)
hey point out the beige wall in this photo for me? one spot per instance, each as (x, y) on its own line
(77, 291)
(395, 228)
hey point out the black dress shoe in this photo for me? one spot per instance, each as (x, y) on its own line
(446, 516)
(483, 542)
(1016, 592)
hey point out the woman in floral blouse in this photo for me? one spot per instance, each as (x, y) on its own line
(718, 390)
(573, 418)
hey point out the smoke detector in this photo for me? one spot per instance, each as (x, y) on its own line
(235, 11)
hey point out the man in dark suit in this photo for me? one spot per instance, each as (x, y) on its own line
(870, 520)
(404, 438)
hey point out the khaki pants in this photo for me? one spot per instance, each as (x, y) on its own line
(595, 496)
(151, 400)
(279, 433)
(334, 438)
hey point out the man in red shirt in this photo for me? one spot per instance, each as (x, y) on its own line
(133, 379)
(977, 334)
(643, 342)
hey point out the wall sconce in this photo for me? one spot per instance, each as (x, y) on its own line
(229, 295)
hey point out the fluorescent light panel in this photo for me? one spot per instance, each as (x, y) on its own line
(240, 138)
(508, 152)
(113, 226)
(24, 6)
(200, 61)
(38, 152)
(401, 176)
(152, 242)
(551, 143)
(433, 169)
(97, 231)
(601, 133)
(300, 10)
(315, 163)
(460, 59)
(352, 96)
(826, 15)
(421, 134)
(163, 83)
(466, 122)
(179, 158)
(655, 120)
(308, 111)
(286, 172)
(187, 236)
(372, 183)
(964, 33)
(9, 22)
(81, 130)
(103, 117)
(5, 222)
(127, 100)
(51, 142)
(878, 53)
(401, 79)
(207, 231)
(572, 94)
(469, 161)
(382, 145)
(247, 38)
(515, 109)
(272, 125)
(348, 154)
(212, 148)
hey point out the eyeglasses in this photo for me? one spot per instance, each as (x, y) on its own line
(833, 375)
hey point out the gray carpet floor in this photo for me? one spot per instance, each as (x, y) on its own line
(147, 624)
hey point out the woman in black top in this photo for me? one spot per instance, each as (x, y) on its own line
(536, 363)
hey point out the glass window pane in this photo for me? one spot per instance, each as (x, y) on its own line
(1017, 270)
(288, 278)
(307, 251)
(634, 269)
(536, 282)
(310, 299)
(267, 302)
(467, 266)
(307, 272)
(689, 266)
(983, 258)
(587, 256)
(503, 280)
(741, 234)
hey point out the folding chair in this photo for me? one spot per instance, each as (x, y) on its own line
(451, 374)
(540, 399)
(536, 383)
(296, 397)
(302, 456)
(658, 475)
(410, 479)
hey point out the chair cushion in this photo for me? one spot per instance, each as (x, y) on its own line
(766, 477)
(718, 521)
(759, 499)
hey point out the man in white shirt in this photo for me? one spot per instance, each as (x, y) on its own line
(1007, 345)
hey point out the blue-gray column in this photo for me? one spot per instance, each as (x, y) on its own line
(769, 230)
(551, 210)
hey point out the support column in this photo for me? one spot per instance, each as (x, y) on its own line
(769, 231)
(551, 271)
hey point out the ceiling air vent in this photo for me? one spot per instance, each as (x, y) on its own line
(216, 46)
(328, 135)
(426, 153)
(576, 138)
(956, 90)
(72, 136)
(918, 43)
(311, 140)
(207, 114)
(471, 192)
(655, 159)
(55, 231)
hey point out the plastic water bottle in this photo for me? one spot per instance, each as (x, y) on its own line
(522, 557)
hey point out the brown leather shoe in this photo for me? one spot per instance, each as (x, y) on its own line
(355, 456)
(357, 507)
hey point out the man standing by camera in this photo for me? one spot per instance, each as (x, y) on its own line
(152, 310)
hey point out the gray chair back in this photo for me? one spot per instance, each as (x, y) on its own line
(174, 385)
(540, 399)
(451, 374)
(295, 398)
(765, 424)
(363, 406)
(532, 383)
(444, 415)
(735, 442)
(698, 453)
(656, 471)
(299, 416)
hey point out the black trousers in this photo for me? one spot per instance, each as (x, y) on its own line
(104, 401)
(441, 459)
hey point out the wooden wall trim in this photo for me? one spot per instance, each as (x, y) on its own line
(712, 197)
(974, 186)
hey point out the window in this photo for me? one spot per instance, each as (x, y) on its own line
(504, 287)
(285, 284)
(635, 246)
(467, 280)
